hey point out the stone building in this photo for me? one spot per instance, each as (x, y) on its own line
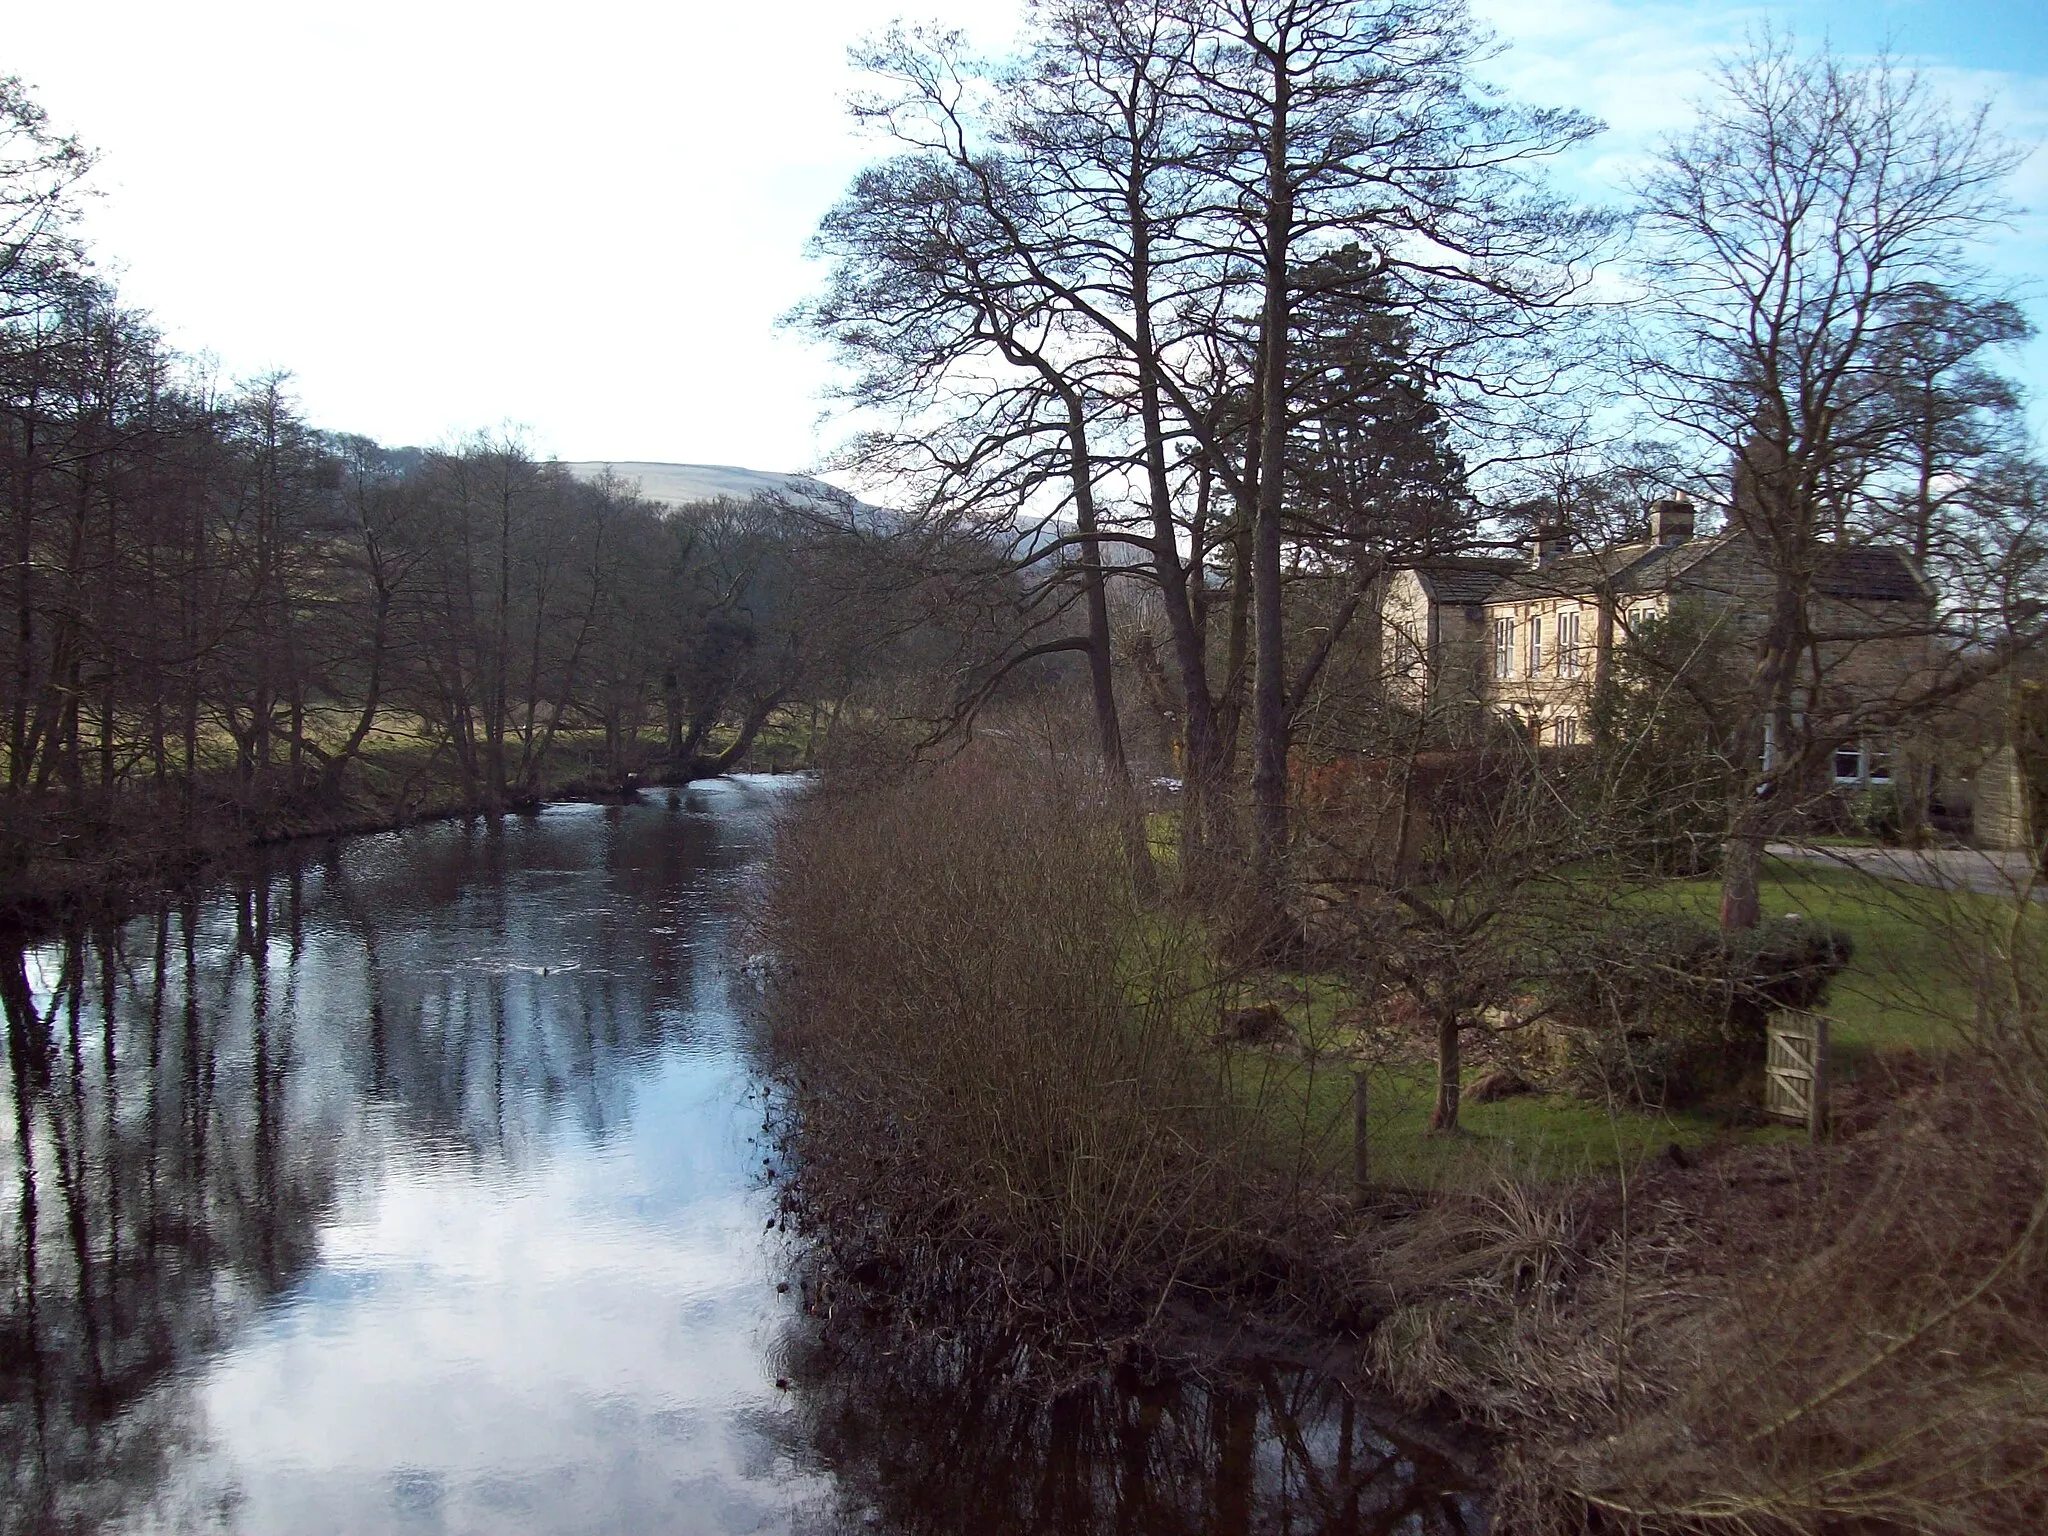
(1434, 637)
(1534, 638)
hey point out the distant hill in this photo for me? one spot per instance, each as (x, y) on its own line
(678, 485)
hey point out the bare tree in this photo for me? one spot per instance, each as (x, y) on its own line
(1792, 232)
(1105, 240)
(39, 174)
(1345, 124)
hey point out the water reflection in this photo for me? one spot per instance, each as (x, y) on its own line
(927, 1435)
(414, 1184)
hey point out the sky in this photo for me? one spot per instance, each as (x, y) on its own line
(583, 222)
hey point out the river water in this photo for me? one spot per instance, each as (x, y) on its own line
(420, 1183)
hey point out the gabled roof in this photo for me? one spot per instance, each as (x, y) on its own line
(1850, 572)
(1462, 578)
(1639, 567)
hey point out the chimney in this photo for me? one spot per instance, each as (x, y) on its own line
(1547, 545)
(1671, 521)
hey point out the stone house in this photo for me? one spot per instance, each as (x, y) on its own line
(1434, 646)
(1534, 638)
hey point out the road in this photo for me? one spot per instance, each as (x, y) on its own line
(2000, 872)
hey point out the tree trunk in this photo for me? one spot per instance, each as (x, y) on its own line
(1101, 676)
(1269, 680)
(1742, 869)
(1201, 756)
(1449, 1040)
(1773, 759)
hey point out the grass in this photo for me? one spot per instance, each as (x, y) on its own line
(1911, 984)
(1544, 1137)
(1910, 987)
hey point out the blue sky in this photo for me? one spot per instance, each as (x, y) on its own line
(1988, 35)
(451, 214)
(1640, 64)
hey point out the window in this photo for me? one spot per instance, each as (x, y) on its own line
(1568, 731)
(1407, 654)
(1535, 646)
(1503, 647)
(1862, 764)
(1638, 617)
(1568, 644)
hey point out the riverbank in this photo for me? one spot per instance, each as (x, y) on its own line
(103, 854)
(1016, 1105)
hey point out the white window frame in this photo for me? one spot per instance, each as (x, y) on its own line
(1872, 766)
(1504, 648)
(1535, 646)
(1568, 644)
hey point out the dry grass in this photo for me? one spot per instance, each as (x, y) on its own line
(1009, 1090)
(1011, 1104)
(1854, 1340)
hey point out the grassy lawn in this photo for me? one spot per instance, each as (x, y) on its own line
(1912, 980)
(1541, 1136)
(1910, 984)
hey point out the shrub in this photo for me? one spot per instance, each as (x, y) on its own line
(1008, 1089)
(1665, 1011)
(1877, 813)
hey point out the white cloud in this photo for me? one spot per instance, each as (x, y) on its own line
(442, 216)
(448, 214)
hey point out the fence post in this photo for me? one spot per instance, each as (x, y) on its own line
(1360, 1180)
(1817, 1090)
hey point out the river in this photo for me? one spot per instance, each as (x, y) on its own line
(420, 1182)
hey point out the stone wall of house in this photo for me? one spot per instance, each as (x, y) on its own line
(1552, 696)
(1435, 663)
(1405, 642)
(2000, 817)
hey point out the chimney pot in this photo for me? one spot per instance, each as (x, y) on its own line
(1546, 545)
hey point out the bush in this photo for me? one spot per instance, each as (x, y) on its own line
(1877, 813)
(1665, 1011)
(1008, 1088)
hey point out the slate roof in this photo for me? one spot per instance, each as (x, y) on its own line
(1871, 572)
(1463, 580)
(1639, 567)
(1852, 572)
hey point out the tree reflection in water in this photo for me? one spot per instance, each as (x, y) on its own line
(189, 1090)
(342, 1195)
(928, 1435)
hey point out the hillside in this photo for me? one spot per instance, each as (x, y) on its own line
(680, 484)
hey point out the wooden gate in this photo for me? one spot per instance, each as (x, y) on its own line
(1796, 1071)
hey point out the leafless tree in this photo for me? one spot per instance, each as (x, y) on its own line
(1104, 241)
(1795, 232)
